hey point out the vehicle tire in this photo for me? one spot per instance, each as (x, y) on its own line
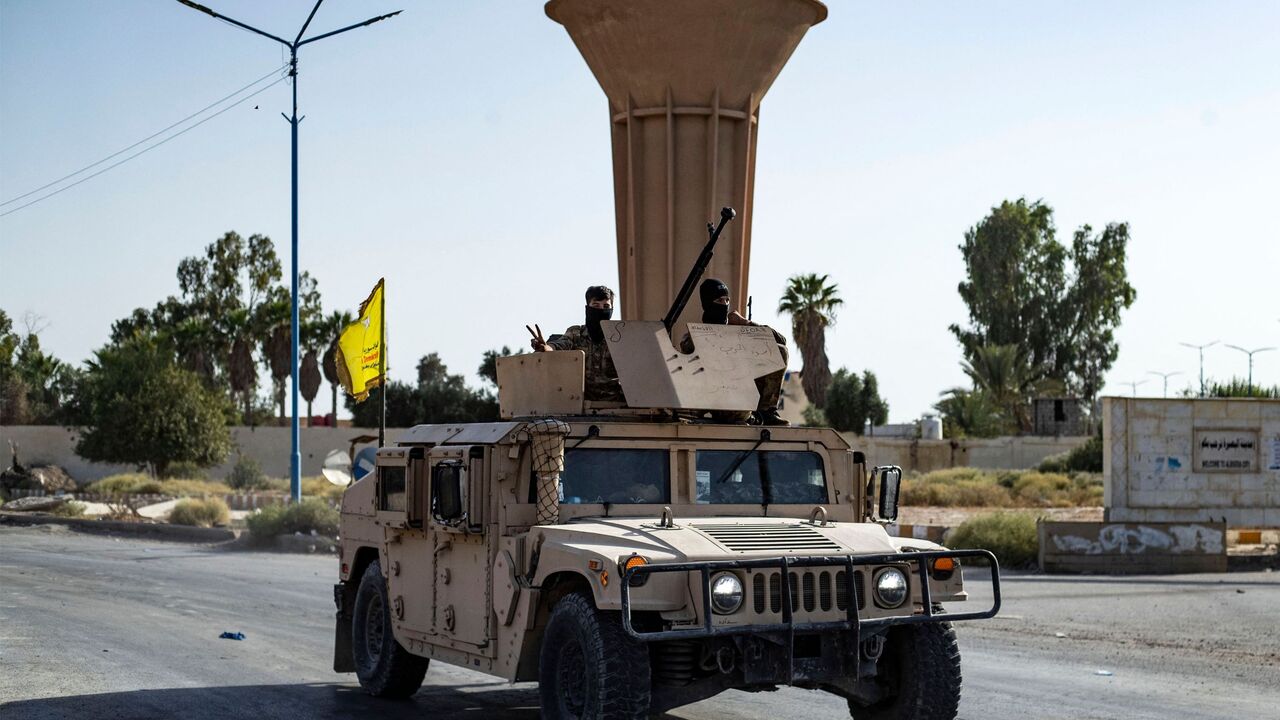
(384, 667)
(920, 669)
(590, 669)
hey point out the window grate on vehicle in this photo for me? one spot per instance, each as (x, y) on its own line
(842, 590)
(750, 537)
(824, 591)
(758, 593)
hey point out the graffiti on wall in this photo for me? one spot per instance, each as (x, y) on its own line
(1133, 539)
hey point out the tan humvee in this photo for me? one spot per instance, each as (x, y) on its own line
(630, 560)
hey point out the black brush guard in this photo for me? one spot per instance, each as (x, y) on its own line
(784, 565)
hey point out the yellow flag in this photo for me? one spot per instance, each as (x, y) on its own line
(361, 348)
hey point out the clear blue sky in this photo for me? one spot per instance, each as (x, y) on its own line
(461, 150)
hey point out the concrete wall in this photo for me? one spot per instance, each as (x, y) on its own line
(1188, 460)
(270, 446)
(1005, 453)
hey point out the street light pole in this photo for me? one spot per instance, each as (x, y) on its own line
(1201, 349)
(1250, 353)
(295, 458)
(1134, 385)
(1166, 377)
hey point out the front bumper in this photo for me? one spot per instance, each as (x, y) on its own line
(784, 564)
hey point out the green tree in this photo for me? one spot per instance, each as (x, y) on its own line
(34, 385)
(853, 401)
(438, 397)
(844, 403)
(136, 405)
(970, 413)
(488, 369)
(1006, 375)
(330, 328)
(875, 407)
(812, 304)
(1020, 291)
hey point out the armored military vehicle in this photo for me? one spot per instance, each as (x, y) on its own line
(632, 559)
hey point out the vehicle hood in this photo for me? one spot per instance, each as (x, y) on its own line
(696, 539)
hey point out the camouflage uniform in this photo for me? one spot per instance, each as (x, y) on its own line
(770, 386)
(601, 377)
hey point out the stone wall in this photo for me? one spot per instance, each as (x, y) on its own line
(1187, 460)
(270, 446)
(1004, 453)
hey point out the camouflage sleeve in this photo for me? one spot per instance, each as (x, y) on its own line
(567, 340)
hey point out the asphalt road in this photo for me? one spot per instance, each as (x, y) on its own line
(109, 629)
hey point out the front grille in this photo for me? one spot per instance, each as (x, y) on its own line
(748, 537)
(810, 590)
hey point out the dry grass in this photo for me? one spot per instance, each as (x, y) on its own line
(318, 486)
(1011, 536)
(200, 513)
(972, 487)
(71, 509)
(143, 484)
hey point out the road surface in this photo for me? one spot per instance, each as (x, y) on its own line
(115, 629)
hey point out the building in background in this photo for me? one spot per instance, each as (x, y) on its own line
(1058, 416)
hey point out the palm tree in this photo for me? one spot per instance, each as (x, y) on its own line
(812, 304)
(1005, 374)
(244, 375)
(309, 380)
(331, 327)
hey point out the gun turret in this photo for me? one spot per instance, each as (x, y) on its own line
(699, 267)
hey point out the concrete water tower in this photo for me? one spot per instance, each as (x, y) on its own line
(684, 80)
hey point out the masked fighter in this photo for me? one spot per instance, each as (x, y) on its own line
(714, 295)
(601, 377)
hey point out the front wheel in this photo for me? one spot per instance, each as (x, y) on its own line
(384, 667)
(919, 674)
(590, 669)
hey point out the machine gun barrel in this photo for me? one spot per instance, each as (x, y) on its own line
(699, 267)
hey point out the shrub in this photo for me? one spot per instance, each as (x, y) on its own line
(185, 469)
(126, 483)
(247, 475)
(310, 514)
(142, 484)
(200, 513)
(318, 486)
(70, 509)
(1085, 458)
(1011, 536)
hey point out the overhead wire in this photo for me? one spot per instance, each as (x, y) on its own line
(140, 142)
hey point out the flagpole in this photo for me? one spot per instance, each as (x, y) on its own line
(382, 364)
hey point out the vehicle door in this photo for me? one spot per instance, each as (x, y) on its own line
(460, 543)
(408, 562)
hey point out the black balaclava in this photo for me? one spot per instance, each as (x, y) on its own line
(594, 316)
(713, 312)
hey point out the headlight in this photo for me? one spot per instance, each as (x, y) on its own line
(891, 588)
(726, 593)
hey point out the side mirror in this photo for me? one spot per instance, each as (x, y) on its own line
(446, 492)
(890, 482)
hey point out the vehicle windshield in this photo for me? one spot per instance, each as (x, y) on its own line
(764, 477)
(614, 475)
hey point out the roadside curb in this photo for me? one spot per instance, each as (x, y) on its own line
(150, 531)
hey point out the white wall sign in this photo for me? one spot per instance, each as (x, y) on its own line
(1224, 450)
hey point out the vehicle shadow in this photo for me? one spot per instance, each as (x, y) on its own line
(495, 701)
(321, 701)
